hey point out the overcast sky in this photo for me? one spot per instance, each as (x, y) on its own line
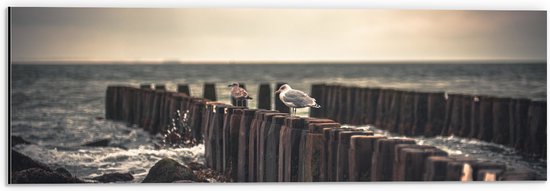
(105, 34)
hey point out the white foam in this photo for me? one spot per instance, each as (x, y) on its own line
(90, 162)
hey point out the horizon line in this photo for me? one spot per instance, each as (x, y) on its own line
(175, 62)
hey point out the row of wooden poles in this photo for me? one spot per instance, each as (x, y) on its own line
(148, 102)
(260, 145)
(264, 97)
(518, 123)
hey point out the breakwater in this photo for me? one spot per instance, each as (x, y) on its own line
(517, 123)
(261, 145)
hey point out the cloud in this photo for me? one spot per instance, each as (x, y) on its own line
(275, 34)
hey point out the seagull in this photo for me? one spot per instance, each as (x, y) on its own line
(295, 98)
(238, 93)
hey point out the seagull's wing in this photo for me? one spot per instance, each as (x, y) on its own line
(298, 97)
(240, 92)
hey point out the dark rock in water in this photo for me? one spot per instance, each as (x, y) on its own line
(183, 181)
(38, 175)
(21, 162)
(119, 146)
(207, 174)
(114, 177)
(98, 143)
(63, 171)
(26, 170)
(195, 166)
(99, 118)
(167, 171)
(157, 146)
(17, 140)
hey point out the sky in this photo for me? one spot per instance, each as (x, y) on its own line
(232, 35)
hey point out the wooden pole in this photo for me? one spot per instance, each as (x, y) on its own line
(209, 91)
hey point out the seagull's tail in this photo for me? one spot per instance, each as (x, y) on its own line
(316, 106)
(248, 97)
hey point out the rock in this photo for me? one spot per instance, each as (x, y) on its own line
(195, 166)
(183, 181)
(63, 171)
(26, 170)
(17, 140)
(38, 175)
(98, 143)
(207, 175)
(167, 171)
(114, 177)
(120, 146)
(157, 146)
(99, 118)
(21, 162)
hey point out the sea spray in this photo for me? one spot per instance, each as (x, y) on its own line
(179, 133)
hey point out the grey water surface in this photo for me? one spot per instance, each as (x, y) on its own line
(57, 106)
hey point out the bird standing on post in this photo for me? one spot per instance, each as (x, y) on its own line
(238, 93)
(295, 99)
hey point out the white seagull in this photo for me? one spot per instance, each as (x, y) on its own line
(238, 93)
(295, 98)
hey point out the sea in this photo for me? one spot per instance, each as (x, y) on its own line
(60, 106)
